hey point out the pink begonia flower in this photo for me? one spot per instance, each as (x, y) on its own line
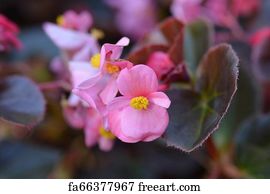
(134, 18)
(73, 45)
(141, 113)
(96, 133)
(76, 21)
(8, 34)
(245, 7)
(259, 36)
(218, 11)
(79, 115)
(76, 45)
(80, 72)
(102, 85)
(186, 10)
(161, 63)
(92, 124)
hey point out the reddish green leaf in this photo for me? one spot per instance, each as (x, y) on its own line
(21, 102)
(196, 114)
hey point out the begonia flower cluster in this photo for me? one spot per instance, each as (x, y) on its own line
(110, 97)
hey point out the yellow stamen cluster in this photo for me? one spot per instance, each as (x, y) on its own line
(60, 20)
(111, 69)
(98, 34)
(139, 103)
(106, 134)
(95, 61)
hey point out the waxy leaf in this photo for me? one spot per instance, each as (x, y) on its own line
(197, 40)
(22, 160)
(196, 114)
(21, 102)
(252, 154)
(246, 102)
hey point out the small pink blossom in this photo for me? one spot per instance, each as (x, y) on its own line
(76, 21)
(75, 45)
(95, 132)
(134, 18)
(140, 114)
(259, 36)
(80, 72)
(161, 63)
(92, 123)
(8, 34)
(245, 7)
(103, 84)
(219, 12)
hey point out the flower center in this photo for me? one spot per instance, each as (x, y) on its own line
(60, 20)
(139, 103)
(95, 61)
(111, 69)
(106, 134)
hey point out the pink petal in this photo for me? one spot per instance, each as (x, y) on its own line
(105, 144)
(114, 119)
(109, 92)
(160, 99)
(65, 38)
(131, 125)
(85, 22)
(112, 51)
(75, 116)
(85, 96)
(88, 50)
(91, 94)
(91, 81)
(81, 71)
(94, 122)
(161, 63)
(118, 103)
(123, 42)
(140, 80)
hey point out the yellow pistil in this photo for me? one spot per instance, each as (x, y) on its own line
(106, 134)
(95, 61)
(139, 103)
(98, 34)
(60, 20)
(111, 69)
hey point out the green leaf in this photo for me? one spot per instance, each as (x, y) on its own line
(246, 102)
(21, 102)
(197, 40)
(252, 154)
(21, 160)
(195, 114)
